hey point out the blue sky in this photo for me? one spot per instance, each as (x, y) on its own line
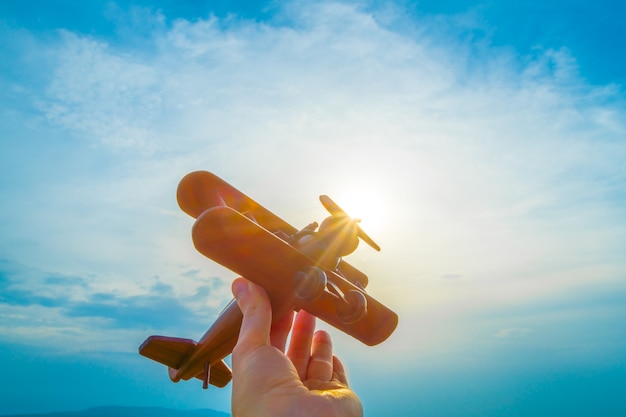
(482, 143)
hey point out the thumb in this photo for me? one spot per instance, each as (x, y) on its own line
(257, 315)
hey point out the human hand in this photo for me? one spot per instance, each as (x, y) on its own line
(307, 380)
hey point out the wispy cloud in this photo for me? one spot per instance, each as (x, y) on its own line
(512, 332)
(71, 311)
(504, 170)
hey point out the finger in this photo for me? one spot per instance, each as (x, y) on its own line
(339, 372)
(280, 331)
(300, 345)
(321, 362)
(257, 315)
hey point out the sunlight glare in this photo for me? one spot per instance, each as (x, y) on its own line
(365, 205)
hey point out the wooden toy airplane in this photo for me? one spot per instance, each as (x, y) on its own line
(299, 269)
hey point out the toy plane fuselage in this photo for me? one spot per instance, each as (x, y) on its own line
(298, 269)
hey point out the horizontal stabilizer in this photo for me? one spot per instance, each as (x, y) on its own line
(170, 351)
(173, 351)
(220, 374)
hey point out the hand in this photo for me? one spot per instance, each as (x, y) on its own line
(306, 381)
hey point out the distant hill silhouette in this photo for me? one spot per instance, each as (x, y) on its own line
(129, 412)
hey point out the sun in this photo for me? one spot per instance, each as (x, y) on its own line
(366, 205)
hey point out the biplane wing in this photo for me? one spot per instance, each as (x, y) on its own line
(201, 190)
(226, 236)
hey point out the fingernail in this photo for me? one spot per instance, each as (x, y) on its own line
(239, 288)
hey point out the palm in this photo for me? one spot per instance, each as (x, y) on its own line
(305, 380)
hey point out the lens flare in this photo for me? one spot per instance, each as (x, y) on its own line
(365, 205)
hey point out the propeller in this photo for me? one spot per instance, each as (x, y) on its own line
(334, 209)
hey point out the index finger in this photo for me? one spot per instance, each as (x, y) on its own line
(257, 315)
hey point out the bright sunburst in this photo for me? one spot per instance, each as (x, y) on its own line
(364, 204)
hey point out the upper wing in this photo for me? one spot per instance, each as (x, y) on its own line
(201, 190)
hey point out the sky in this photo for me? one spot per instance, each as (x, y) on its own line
(483, 144)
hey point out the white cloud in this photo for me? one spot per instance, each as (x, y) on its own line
(504, 170)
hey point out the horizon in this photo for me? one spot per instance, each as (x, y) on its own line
(121, 411)
(481, 143)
